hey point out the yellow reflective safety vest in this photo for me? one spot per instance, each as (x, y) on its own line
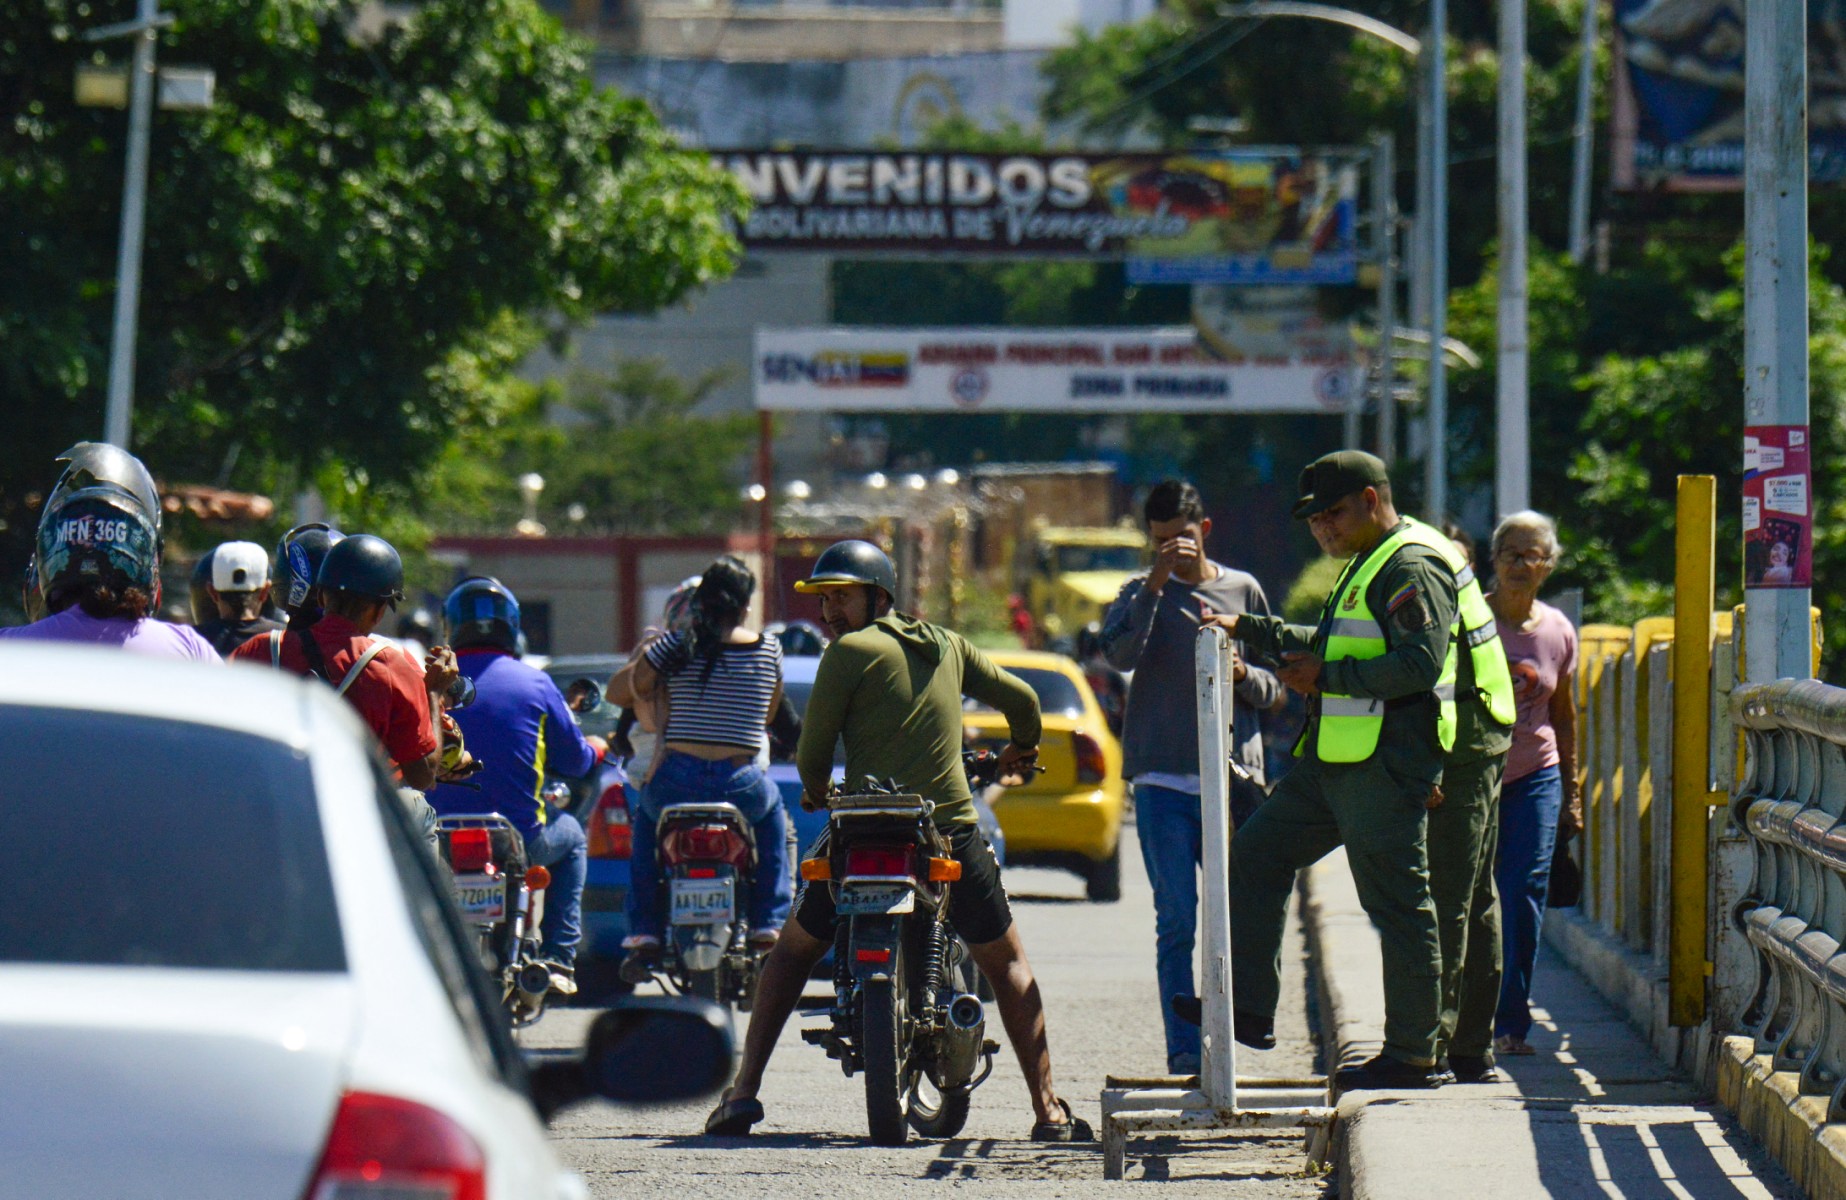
(1349, 725)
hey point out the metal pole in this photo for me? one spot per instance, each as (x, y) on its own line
(1778, 634)
(1582, 136)
(766, 513)
(1218, 1065)
(1694, 593)
(1384, 206)
(1436, 464)
(128, 255)
(1513, 457)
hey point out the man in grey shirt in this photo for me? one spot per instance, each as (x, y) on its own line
(1151, 630)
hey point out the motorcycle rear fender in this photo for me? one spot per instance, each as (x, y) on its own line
(871, 948)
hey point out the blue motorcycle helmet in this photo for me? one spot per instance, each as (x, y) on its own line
(297, 563)
(482, 611)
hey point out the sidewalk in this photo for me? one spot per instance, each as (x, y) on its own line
(1595, 1113)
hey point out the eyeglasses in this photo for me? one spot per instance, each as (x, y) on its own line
(1531, 558)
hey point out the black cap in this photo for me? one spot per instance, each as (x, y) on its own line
(1333, 477)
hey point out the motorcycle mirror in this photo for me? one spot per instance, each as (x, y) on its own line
(645, 1050)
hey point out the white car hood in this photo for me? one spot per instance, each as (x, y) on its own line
(134, 1083)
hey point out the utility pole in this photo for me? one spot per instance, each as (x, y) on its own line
(1436, 464)
(1582, 136)
(144, 29)
(1512, 419)
(1778, 631)
(1384, 234)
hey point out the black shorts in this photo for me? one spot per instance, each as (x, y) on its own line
(978, 909)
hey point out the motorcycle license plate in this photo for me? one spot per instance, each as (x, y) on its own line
(701, 901)
(865, 899)
(482, 898)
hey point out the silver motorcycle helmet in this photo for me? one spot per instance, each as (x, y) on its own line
(101, 524)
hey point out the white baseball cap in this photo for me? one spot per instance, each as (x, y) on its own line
(239, 567)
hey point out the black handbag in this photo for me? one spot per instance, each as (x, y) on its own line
(1566, 877)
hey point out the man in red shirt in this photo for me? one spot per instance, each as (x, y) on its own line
(360, 579)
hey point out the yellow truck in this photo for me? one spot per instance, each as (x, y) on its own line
(1074, 573)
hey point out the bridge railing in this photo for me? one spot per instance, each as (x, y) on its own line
(1790, 800)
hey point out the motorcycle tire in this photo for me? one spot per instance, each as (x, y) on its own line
(706, 985)
(941, 1118)
(882, 1052)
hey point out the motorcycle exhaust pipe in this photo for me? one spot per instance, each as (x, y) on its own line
(533, 980)
(966, 1012)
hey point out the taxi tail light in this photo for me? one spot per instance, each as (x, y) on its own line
(879, 860)
(386, 1148)
(471, 851)
(609, 832)
(1092, 767)
(537, 879)
(704, 843)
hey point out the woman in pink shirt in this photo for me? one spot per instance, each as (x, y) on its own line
(1540, 795)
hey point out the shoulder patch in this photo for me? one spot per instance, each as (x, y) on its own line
(1400, 597)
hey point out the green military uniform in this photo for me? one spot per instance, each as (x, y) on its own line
(1464, 836)
(1376, 807)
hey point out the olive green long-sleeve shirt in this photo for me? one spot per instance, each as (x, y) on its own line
(893, 691)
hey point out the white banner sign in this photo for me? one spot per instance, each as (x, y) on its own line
(1034, 370)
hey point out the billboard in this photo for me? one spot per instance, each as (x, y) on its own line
(1242, 216)
(1034, 370)
(1678, 105)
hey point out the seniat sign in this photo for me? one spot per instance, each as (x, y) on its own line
(1241, 216)
(1039, 370)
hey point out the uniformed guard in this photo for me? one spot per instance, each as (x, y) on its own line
(1380, 671)
(1464, 837)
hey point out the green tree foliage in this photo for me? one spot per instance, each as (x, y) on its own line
(625, 445)
(334, 250)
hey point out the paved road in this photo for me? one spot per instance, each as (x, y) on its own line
(1096, 966)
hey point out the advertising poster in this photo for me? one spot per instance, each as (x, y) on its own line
(1778, 524)
(1035, 370)
(1678, 105)
(1243, 216)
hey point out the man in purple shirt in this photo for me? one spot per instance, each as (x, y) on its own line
(98, 559)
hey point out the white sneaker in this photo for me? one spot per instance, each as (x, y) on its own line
(563, 979)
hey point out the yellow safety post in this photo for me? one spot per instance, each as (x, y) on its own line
(1694, 592)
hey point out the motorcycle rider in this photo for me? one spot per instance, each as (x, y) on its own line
(360, 578)
(891, 686)
(521, 728)
(298, 558)
(237, 587)
(98, 559)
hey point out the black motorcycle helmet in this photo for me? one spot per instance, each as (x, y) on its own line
(482, 611)
(204, 608)
(844, 564)
(363, 565)
(298, 559)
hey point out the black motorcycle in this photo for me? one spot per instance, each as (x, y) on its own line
(500, 896)
(708, 863)
(906, 1012)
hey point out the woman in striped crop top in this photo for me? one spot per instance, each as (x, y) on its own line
(722, 682)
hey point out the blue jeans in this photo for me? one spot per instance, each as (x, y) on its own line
(1172, 847)
(561, 848)
(684, 779)
(1529, 808)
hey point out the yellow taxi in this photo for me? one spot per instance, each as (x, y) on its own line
(1070, 816)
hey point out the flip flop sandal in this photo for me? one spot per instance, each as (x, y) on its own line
(733, 1118)
(1072, 1128)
